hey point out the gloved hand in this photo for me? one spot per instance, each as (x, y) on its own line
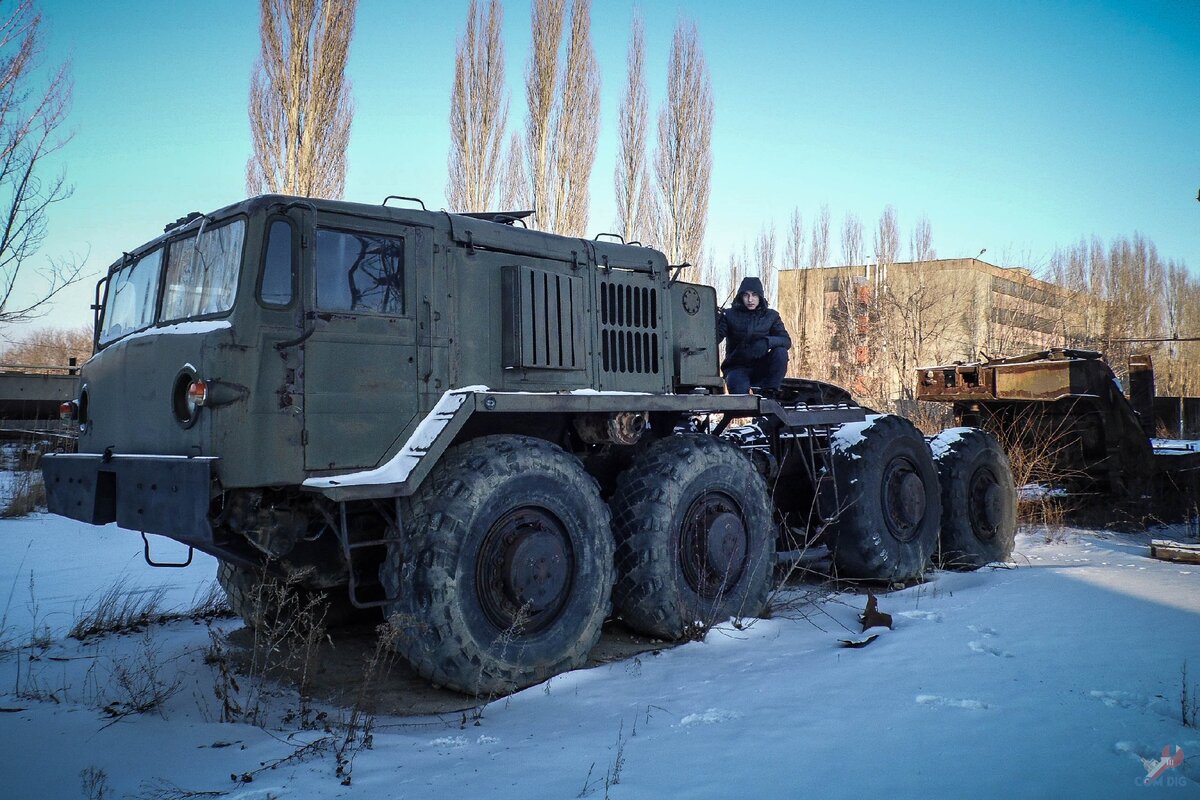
(754, 349)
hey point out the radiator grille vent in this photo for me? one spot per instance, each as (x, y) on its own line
(628, 329)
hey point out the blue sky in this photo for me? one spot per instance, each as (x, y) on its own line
(1015, 127)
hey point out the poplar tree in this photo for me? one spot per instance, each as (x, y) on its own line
(478, 112)
(683, 156)
(300, 103)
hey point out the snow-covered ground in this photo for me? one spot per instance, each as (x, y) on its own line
(1059, 676)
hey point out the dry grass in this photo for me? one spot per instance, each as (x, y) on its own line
(284, 648)
(122, 608)
(209, 603)
(162, 789)
(930, 418)
(27, 494)
(141, 682)
(94, 784)
(1037, 447)
(284, 654)
(119, 608)
(359, 722)
(1189, 701)
(612, 775)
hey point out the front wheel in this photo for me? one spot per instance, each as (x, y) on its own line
(890, 506)
(503, 575)
(265, 602)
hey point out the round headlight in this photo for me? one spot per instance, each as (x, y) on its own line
(183, 405)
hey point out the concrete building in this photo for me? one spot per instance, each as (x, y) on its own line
(869, 327)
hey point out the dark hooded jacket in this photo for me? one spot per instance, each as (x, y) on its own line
(743, 327)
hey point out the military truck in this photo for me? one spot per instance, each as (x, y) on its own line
(498, 436)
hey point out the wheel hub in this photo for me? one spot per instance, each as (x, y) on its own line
(533, 573)
(713, 544)
(904, 499)
(524, 570)
(726, 540)
(986, 504)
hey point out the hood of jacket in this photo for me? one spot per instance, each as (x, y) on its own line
(751, 285)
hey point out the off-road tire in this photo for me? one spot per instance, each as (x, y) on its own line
(254, 597)
(459, 615)
(889, 501)
(979, 499)
(666, 505)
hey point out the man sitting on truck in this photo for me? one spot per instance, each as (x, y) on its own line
(757, 350)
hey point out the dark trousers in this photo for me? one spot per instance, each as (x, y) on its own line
(765, 373)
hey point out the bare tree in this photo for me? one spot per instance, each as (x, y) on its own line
(1182, 320)
(1135, 289)
(1124, 290)
(819, 252)
(872, 310)
(1079, 270)
(563, 122)
(799, 302)
(300, 104)
(858, 318)
(766, 259)
(920, 241)
(1178, 289)
(739, 268)
(711, 273)
(793, 255)
(541, 78)
(728, 278)
(49, 347)
(514, 190)
(576, 127)
(887, 240)
(852, 243)
(634, 195)
(683, 157)
(31, 129)
(478, 111)
(918, 309)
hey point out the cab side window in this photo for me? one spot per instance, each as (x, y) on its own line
(358, 271)
(276, 286)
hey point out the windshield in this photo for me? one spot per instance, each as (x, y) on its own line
(132, 293)
(202, 278)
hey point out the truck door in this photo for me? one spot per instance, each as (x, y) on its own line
(365, 281)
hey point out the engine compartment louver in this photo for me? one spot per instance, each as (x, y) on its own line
(542, 326)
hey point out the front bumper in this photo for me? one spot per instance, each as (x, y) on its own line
(166, 495)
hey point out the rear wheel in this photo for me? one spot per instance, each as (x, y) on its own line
(979, 500)
(502, 578)
(889, 502)
(694, 534)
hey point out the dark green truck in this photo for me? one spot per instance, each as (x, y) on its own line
(498, 436)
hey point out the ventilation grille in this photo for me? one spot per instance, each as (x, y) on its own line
(540, 329)
(628, 329)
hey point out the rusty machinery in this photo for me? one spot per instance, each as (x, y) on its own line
(1067, 409)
